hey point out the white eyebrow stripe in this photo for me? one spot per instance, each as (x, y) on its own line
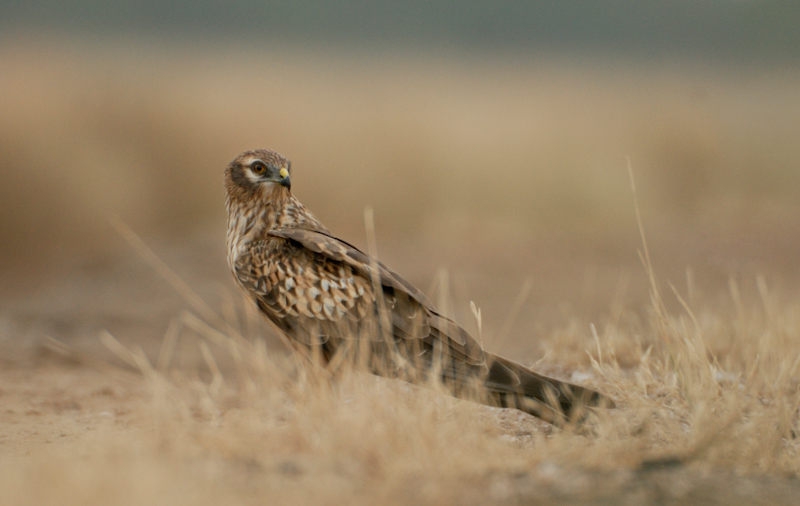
(252, 177)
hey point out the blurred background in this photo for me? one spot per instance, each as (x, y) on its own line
(492, 140)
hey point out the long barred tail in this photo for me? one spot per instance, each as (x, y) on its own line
(515, 386)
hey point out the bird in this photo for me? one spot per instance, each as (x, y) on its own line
(335, 304)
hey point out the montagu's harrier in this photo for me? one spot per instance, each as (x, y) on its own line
(334, 302)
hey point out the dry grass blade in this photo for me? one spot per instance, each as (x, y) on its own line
(519, 302)
(372, 251)
(84, 358)
(194, 300)
(655, 293)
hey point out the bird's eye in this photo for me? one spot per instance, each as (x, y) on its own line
(259, 168)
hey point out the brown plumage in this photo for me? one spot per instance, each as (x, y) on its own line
(334, 302)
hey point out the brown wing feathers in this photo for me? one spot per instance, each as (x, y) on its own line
(410, 313)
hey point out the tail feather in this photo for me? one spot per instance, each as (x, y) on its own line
(515, 386)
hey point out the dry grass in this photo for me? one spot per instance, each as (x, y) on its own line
(707, 401)
(510, 174)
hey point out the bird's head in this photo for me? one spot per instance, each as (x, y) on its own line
(257, 171)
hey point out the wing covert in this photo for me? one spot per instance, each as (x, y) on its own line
(316, 287)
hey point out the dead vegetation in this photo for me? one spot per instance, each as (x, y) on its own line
(707, 411)
(700, 347)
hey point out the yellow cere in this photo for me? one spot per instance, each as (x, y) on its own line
(284, 172)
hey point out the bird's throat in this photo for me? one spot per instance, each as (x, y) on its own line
(249, 221)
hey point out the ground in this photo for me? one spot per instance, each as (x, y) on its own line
(204, 417)
(74, 435)
(132, 371)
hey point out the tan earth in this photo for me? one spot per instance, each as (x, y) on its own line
(80, 426)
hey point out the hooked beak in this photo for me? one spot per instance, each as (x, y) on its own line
(285, 180)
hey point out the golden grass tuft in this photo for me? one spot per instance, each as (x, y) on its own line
(706, 397)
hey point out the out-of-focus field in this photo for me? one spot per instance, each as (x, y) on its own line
(502, 181)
